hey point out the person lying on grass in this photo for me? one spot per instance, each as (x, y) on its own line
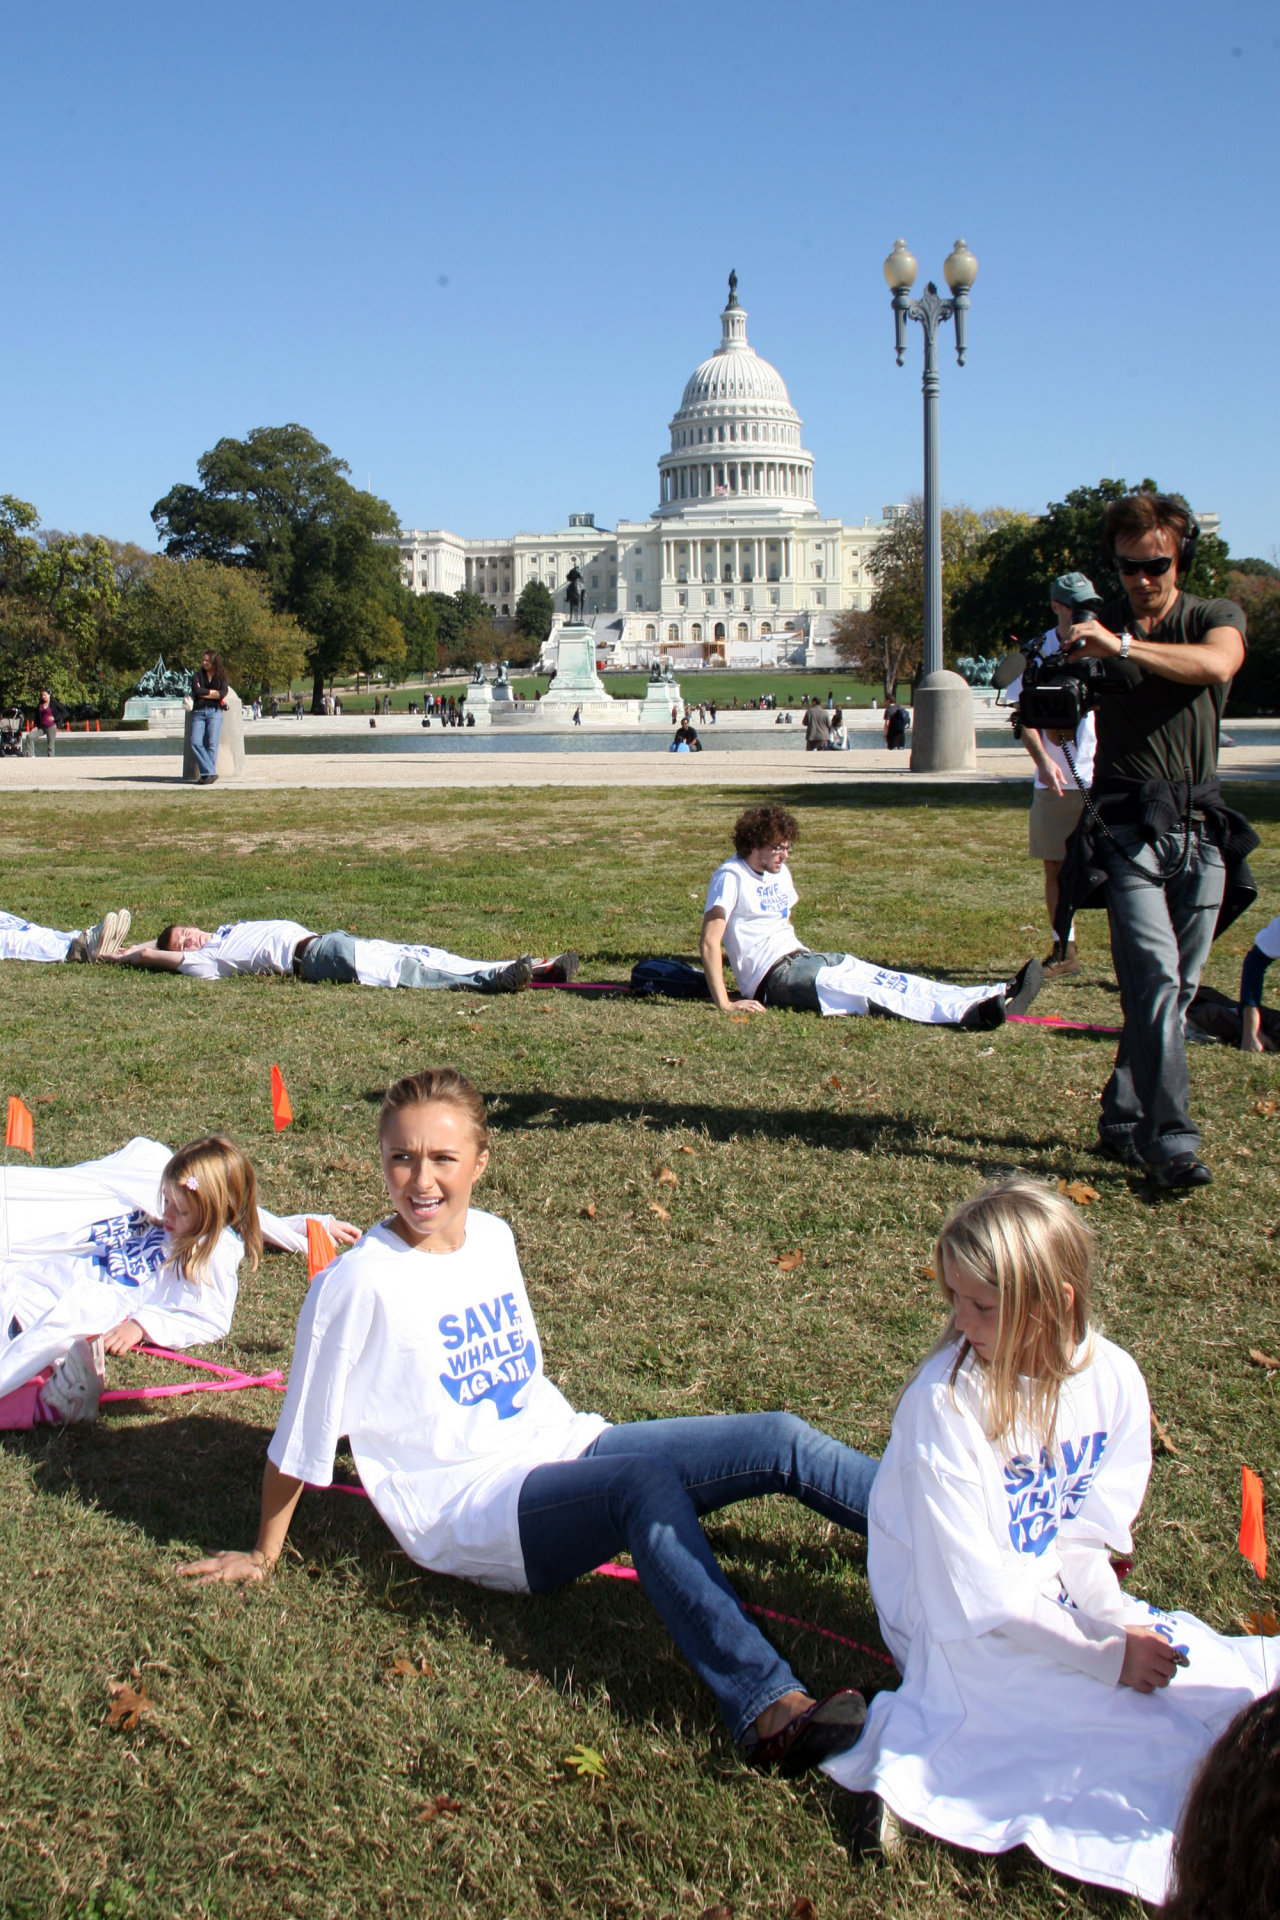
(141, 1245)
(286, 946)
(419, 1345)
(24, 940)
(1040, 1705)
(748, 915)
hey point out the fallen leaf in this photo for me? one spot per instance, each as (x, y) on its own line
(724, 1911)
(44, 1100)
(1162, 1436)
(741, 1019)
(1077, 1190)
(927, 1272)
(586, 1763)
(660, 1211)
(788, 1262)
(802, 1908)
(673, 1059)
(683, 1149)
(836, 1083)
(1267, 1106)
(589, 1211)
(665, 1177)
(1266, 1360)
(1268, 1626)
(402, 1669)
(438, 1804)
(984, 1053)
(127, 1706)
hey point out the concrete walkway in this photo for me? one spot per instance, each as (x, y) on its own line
(769, 766)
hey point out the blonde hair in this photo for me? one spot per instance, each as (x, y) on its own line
(1029, 1244)
(218, 1188)
(443, 1084)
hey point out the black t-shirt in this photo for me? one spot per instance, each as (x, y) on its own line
(1154, 729)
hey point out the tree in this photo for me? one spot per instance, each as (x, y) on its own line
(868, 652)
(1008, 593)
(278, 503)
(1256, 688)
(181, 608)
(535, 610)
(466, 631)
(420, 622)
(58, 593)
(897, 568)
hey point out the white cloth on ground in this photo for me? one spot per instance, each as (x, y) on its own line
(1085, 745)
(245, 946)
(378, 962)
(855, 986)
(1268, 941)
(23, 940)
(990, 1571)
(430, 1364)
(76, 1258)
(757, 909)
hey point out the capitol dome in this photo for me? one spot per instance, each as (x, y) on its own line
(736, 437)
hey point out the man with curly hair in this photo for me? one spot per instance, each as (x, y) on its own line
(748, 916)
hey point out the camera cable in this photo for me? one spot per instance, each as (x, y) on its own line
(1159, 878)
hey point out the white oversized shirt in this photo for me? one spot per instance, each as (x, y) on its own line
(757, 909)
(430, 1364)
(1086, 733)
(1268, 941)
(245, 946)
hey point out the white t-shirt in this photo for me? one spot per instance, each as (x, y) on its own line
(245, 946)
(430, 1365)
(757, 909)
(1086, 733)
(1268, 941)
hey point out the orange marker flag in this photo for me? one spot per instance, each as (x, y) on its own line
(19, 1128)
(320, 1248)
(1253, 1541)
(281, 1111)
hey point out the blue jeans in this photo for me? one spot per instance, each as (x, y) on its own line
(1160, 940)
(644, 1487)
(206, 730)
(793, 982)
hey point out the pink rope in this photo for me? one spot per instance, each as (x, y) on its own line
(1066, 1026)
(231, 1379)
(613, 1571)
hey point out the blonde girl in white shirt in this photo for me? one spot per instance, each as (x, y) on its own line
(420, 1346)
(1041, 1704)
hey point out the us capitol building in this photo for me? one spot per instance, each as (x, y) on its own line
(734, 567)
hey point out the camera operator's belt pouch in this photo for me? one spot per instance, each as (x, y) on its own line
(1155, 807)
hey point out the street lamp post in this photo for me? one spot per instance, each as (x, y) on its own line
(942, 721)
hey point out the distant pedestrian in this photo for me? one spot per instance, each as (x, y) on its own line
(209, 692)
(47, 721)
(817, 728)
(895, 724)
(577, 716)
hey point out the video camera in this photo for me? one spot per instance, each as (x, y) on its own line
(1057, 691)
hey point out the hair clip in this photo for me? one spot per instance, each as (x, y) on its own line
(192, 1183)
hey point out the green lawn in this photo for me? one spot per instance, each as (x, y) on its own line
(285, 1769)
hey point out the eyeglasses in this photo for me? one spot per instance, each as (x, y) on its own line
(1152, 568)
(782, 846)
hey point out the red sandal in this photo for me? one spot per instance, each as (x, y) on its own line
(831, 1725)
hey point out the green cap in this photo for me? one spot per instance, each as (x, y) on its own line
(1073, 590)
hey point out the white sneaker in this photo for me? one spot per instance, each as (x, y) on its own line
(73, 1390)
(115, 932)
(92, 939)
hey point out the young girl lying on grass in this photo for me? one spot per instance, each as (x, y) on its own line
(142, 1245)
(1033, 1708)
(420, 1346)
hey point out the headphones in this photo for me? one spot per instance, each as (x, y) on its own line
(1187, 544)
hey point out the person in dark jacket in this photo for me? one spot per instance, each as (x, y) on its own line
(209, 691)
(1161, 835)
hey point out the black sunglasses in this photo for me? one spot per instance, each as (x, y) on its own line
(1152, 568)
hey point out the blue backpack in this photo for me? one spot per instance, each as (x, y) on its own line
(676, 978)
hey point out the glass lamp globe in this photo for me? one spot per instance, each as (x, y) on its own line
(960, 269)
(900, 268)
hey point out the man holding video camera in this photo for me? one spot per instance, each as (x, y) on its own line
(1157, 833)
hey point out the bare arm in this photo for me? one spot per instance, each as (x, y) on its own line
(1050, 772)
(1210, 663)
(154, 959)
(713, 924)
(280, 1495)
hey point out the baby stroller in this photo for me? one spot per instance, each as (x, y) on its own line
(11, 730)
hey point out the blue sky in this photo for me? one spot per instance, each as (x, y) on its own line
(479, 249)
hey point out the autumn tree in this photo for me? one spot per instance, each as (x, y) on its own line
(897, 568)
(58, 594)
(183, 608)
